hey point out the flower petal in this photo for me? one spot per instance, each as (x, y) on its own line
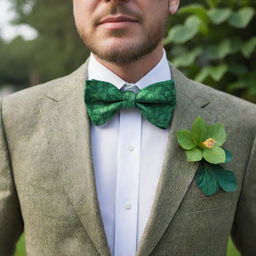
(217, 132)
(184, 139)
(194, 154)
(199, 131)
(214, 155)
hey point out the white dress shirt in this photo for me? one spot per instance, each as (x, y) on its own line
(127, 153)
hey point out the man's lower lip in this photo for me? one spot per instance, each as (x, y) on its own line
(117, 25)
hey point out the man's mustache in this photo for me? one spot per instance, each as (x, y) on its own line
(115, 9)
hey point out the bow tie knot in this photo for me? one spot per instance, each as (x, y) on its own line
(129, 99)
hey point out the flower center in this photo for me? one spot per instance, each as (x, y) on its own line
(209, 143)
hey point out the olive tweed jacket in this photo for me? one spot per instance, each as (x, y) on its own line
(47, 183)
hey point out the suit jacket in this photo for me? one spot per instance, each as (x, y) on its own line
(47, 183)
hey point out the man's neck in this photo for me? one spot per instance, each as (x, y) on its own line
(133, 72)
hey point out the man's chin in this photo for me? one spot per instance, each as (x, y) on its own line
(118, 53)
(117, 57)
(122, 50)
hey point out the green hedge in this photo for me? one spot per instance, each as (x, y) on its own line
(215, 43)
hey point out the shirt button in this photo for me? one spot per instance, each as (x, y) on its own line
(130, 148)
(128, 205)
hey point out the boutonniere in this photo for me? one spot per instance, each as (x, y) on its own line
(203, 143)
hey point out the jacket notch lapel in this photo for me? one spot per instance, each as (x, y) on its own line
(68, 131)
(177, 174)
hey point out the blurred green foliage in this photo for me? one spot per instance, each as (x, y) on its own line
(15, 65)
(214, 42)
(56, 51)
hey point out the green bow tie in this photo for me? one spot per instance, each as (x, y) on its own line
(156, 102)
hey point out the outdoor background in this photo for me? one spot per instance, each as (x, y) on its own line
(211, 41)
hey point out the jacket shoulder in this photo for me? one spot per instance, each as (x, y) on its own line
(25, 100)
(224, 99)
(218, 99)
(34, 93)
(234, 112)
(230, 110)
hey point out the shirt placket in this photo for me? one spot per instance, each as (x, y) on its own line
(127, 183)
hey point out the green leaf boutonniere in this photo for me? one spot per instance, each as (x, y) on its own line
(203, 143)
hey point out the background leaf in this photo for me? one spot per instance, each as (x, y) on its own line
(218, 15)
(214, 72)
(187, 58)
(249, 47)
(241, 18)
(183, 33)
(218, 54)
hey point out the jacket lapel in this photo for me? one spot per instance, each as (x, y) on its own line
(176, 174)
(68, 129)
(67, 126)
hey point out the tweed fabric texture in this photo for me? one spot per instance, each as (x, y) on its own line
(47, 183)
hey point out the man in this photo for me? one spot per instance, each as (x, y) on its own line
(122, 187)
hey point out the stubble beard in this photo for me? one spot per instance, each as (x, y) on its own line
(132, 53)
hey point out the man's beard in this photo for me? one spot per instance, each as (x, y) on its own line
(133, 52)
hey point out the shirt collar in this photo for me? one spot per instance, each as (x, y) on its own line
(161, 72)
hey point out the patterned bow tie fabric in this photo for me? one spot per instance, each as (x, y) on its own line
(155, 102)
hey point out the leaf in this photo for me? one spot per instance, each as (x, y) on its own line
(224, 48)
(194, 154)
(229, 156)
(197, 9)
(184, 139)
(215, 72)
(249, 47)
(214, 155)
(203, 74)
(187, 58)
(225, 178)
(240, 84)
(236, 44)
(241, 18)
(211, 177)
(218, 72)
(199, 130)
(192, 8)
(237, 68)
(183, 33)
(206, 181)
(217, 132)
(220, 50)
(218, 16)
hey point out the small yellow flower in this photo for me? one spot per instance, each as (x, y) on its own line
(209, 143)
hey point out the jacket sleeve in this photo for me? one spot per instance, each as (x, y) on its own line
(243, 232)
(11, 223)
